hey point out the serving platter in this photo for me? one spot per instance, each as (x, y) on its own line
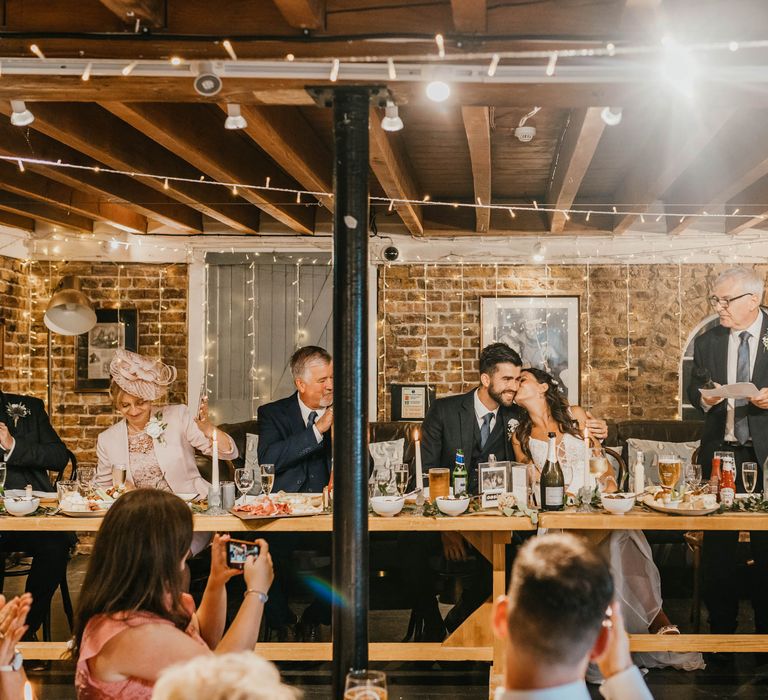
(287, 505)
(673, 510)
(100, 513)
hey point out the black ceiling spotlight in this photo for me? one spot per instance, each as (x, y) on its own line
(391, 253)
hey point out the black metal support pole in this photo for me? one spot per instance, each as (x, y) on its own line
(350, 354)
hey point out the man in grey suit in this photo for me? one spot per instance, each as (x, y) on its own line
(734, 351)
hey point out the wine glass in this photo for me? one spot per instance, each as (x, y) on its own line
(365, 685)
(118, 477)
(244, 481)
(693, 475)
(267, 478)
(3, 469)
(749, 476)
(598, 464)
(85, 477)
(402, 475)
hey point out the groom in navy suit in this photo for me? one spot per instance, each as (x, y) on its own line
(295, 436)
(30, 446)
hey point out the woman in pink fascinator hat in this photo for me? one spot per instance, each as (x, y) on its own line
(155, 443)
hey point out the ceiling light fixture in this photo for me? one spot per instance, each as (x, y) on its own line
(438, 90)
(334, 76)
(127, 70)
(440, 45)
(391, 69)
(525, 133)
(227, 44)
(679, 67)
(611, 115)
(35, 49)
(234, 119)
(391, 120)
(21, 116)
(494, 65)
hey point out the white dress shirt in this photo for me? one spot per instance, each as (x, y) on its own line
(733, 355)
(305, 411)
(481, 411)
(627, 685)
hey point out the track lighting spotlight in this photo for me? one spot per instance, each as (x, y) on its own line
(21, 116)
(391, 120)
(234, 120)
(611, 115)
(438, 90)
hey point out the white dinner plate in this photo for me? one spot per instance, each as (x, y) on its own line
(671, 510)
(85, 513)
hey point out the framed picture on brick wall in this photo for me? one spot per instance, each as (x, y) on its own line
(543, 330)
(115, 328)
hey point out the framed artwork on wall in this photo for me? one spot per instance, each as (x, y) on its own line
(115, 328)
(543, 330)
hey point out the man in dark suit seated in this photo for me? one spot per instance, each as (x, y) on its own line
(734, 351)
(30, 446)
(295, 436)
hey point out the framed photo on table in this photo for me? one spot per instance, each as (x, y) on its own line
(544, 330)
(115, 328)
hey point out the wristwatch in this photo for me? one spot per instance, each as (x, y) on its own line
(263, 597)
(15, 664)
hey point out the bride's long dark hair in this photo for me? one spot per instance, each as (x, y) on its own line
(558, 408)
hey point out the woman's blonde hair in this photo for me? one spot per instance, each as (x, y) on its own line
(238, 676)
(115, 392)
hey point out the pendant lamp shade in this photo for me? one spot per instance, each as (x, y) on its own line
(70, 312)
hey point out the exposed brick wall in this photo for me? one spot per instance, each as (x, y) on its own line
(656, 340)
(25, 289)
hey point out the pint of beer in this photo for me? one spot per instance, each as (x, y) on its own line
(365, 685)
(670, 468)
(439, 483)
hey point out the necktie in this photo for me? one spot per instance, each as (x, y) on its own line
(485, 429)
(311, 418)
(740, 421)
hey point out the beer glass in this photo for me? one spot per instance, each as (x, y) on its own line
(365, 685)
(670, 468)
(439, 483)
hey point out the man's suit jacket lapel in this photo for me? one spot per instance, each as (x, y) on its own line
(760, 371)
(295, 419)
(467, 423)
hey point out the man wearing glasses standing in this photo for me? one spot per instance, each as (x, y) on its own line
(734, 351)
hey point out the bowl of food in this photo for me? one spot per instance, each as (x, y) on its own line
(452, 506)
(387, 506)
(187, 497)
(618, 503)
(21, 506)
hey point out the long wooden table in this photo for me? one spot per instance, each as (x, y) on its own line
(473, 640)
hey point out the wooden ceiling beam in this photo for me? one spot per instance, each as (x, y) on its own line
(477, 125)
(303, 14)
(286, 137)
(733, 162)
(752, 204)
(36, 186)
(96, 133)
(672, 148)
(469, 16)
(23, 223)
(150, 12)
(390, 164)
(197, 134)
(10, 201)
(577, 148)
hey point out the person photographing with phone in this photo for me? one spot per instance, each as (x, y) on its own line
(134, 621)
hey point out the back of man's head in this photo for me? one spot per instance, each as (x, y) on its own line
(306, 356)
(558, 597)
(495, 354)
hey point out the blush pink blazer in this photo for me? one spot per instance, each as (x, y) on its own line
(175, 451)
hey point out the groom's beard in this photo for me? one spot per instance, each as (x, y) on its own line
(504, 398)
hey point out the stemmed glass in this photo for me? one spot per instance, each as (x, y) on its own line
(383, 479)
(118, 477)
(365, 685)
(3, 470)
(749, 476)
(693, 476)
(244, 481)
(598, 464)
(402, 475)
(267, 478)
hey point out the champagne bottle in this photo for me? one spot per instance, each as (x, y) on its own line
(552, 481)
(459, 475)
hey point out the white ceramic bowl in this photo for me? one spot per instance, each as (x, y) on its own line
(21, 507)
(452, 506)
(187, 496)
(618, 503)
(387, 506)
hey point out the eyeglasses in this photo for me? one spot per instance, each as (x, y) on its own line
(725, 302)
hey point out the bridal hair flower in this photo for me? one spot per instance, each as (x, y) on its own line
(512, 424)
(137, 375)
(16, 411)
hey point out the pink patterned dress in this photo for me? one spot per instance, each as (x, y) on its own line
(100, 630)
(145, 469)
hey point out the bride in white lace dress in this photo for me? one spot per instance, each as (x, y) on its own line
(638, 584)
